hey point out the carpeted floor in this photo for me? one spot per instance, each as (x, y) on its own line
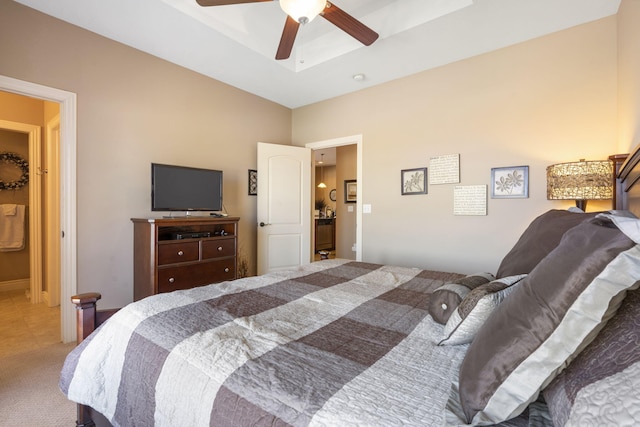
(29, 393)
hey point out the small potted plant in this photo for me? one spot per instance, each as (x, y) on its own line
(320, 205)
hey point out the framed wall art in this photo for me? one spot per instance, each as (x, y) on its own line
(413, 181)
(510, 182)
(470, 200)
(350, 191)
(253, 182)
(444, 169)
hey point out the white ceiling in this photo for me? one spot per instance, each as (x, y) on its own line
(236, 44)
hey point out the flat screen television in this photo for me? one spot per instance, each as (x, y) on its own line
(181, 188)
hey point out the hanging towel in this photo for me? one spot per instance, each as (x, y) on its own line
(9, 209)
(11, 227)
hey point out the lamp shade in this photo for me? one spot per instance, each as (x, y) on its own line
(583, 180)
(303, 11)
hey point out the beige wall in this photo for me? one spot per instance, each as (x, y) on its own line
(346, 221)
(21, 109)
(545, 101)
(629, 74)
(134, 109)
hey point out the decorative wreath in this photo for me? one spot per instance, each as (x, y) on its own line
(15, 159)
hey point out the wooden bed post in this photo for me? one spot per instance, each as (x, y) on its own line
(85, 324)
(618, 196)
(86, 314)
(88, 318)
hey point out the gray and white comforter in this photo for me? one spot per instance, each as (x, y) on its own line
(332, 343)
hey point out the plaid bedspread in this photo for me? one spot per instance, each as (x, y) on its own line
(331, 343)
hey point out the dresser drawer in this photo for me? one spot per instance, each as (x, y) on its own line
(218, 248)
(189, 276)
(177, 252)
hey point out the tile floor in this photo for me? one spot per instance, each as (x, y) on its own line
(25, 326)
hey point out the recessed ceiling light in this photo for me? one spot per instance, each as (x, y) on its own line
(358, 77)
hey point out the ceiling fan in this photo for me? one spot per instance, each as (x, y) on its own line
(300, 12)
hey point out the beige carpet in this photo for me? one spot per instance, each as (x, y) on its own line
(29, 393)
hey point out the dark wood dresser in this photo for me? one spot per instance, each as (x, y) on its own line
(182, 253)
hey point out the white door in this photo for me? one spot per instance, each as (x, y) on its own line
(284, 206)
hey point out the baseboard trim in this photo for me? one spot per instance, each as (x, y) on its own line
(14, 285)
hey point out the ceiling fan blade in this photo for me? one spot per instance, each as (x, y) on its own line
(287, 39)
(349, 24)
(225, 2)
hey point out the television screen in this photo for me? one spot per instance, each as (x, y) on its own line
(180, 188)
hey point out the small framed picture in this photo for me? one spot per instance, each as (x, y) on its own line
(253, 182)
(350, 191)
(510, 182)
(413, 181)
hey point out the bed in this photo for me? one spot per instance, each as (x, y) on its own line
(344, 343)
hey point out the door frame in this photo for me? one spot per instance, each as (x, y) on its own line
(338, 142)
(34, 136)
(68, 193)
(51, 191)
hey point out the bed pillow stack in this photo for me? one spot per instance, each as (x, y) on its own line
(551, 316)
(446, 298)
(538, 240)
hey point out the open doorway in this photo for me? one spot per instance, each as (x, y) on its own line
(343, 157)
(67, 209)
(325, 196)
(30, 221)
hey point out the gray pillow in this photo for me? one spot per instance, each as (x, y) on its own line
(554, 314)
(444, 300)
(541, 237)
(475, 308)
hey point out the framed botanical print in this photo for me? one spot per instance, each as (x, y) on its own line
(413, 181)
(253, 182)
(510, 182)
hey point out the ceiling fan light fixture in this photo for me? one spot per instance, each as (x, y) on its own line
(303, 11)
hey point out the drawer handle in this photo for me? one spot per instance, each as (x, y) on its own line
(219, 248)
(180, 253)
(171, 280)
(226, 270)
